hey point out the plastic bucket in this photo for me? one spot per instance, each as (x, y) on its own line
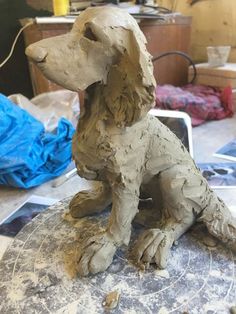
(218, 56)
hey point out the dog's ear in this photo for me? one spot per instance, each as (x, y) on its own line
(130, 84)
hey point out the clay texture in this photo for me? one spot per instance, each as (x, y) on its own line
(118, 143)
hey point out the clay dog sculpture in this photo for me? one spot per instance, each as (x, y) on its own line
(118, 143)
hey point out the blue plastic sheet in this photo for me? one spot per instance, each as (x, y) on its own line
(28, 155)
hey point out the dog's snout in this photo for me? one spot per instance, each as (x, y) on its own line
(37, 54)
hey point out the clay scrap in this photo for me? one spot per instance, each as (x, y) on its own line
(112, 300)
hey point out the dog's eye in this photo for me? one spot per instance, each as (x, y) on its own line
(89, 34)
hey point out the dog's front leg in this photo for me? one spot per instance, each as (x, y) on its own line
(96, 253)
(125, 207)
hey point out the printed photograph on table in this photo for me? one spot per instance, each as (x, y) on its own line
(228, 151)
(11, 225)
(219, 175)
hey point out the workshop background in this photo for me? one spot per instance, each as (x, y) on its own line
(209, 18)
(213, 24)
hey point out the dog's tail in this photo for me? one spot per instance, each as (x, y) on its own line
(219, 221)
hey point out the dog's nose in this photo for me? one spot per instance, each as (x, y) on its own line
(37, 54)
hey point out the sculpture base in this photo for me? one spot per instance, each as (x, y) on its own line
(38, 273)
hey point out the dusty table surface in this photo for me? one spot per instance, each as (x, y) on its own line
(12, 198)
(37, 273)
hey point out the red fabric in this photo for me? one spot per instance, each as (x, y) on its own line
(199, 101)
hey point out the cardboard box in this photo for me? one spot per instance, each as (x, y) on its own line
(217, 77)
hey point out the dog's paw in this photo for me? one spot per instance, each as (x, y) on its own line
(153, 246)
(79, 203)
(95, 254)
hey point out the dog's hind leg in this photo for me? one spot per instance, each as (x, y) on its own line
(181, 196)
(219, 220)
(150, 204)
(90, 202)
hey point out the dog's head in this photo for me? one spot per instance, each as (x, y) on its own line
(106, 47)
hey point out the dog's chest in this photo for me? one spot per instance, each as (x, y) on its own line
(92, 145)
